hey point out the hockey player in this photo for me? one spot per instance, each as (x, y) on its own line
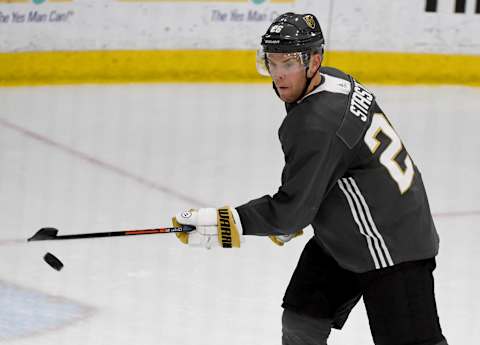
(348, 175)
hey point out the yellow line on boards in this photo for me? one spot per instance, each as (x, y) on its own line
(407, 68)
(127, 66)
(225, 66)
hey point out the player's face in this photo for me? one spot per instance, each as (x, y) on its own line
(288, 74)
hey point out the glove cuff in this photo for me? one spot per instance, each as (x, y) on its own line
(229, 233)
(236, 218)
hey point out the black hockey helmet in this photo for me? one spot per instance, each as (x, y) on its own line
(292, 32)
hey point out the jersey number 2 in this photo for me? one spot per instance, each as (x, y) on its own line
(403, 177)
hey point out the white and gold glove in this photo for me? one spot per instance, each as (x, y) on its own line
(214, 227)
(280, 240)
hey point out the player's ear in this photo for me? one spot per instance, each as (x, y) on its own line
(315, 62)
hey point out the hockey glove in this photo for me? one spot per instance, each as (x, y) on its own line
(214, 227)
(280, 240)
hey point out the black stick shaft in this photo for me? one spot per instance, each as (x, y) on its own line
(46, 234)
(121, 233)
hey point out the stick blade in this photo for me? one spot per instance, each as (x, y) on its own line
(44, 234)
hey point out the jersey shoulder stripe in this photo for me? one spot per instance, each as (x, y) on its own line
(356, 107)
(332, 84)
(357, 114)
(339, 104)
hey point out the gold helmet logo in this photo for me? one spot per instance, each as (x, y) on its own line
(310, 21)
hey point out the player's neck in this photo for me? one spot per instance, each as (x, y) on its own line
(316, 80)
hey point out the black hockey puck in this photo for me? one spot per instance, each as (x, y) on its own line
(53, 261)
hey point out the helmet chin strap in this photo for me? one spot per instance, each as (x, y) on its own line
(307, 83)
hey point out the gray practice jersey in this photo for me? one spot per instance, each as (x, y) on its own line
(347, 174)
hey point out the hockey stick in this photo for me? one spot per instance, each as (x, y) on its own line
(47, 234)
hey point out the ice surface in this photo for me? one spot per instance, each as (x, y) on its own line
(97, 158)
